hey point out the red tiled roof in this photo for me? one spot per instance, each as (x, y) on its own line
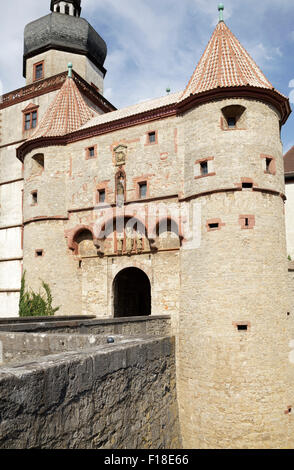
(225, 63)
(289, 161)
(67, 113)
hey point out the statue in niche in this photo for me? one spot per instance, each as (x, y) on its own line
(120, 242)
(129, 240)
(139, 242)
(120, 190)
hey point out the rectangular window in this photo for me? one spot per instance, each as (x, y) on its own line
(204, 168)
(39, 253)
(152, 137)
(101, 195)
(30, 120)
(143, 190)
(39, 71)
(91, 152)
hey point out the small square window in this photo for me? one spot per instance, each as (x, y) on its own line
(152, 137)
(204, 168)
(143, 190)
(231, 122)
(39, 253)
(101, 195)
(91, 152)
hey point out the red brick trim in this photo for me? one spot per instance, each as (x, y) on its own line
(87, 150)
(74, 232)
(50, 84)
(42, 62)
(147, 138)
(214, 221)
(273, 165)
(204, 176)
(201, 160)
(249, 219)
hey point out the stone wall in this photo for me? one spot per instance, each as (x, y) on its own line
(119, 397)
(154, 325)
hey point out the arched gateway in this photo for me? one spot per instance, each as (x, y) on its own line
(131, 293)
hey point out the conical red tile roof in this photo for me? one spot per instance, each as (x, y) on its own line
(225, 63)
(66, 114)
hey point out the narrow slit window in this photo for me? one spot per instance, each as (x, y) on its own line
(91, 152)
(152, 137)
(204, 168)
(143, 190)
(246, 222)
(34, 197)
(101, 195)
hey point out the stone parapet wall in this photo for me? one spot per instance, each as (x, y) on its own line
(155, 325)
(122, 396)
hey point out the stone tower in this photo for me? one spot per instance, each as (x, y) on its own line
(234, 372)
(61, 37)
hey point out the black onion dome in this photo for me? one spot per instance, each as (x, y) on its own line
(66, 33)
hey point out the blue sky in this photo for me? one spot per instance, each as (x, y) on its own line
(155, 44)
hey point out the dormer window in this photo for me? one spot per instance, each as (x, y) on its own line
(232, 117)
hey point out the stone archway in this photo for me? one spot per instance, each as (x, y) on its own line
(131, 293)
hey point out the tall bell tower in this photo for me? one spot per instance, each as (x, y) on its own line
(60, 37)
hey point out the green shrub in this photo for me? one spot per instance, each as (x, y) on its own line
(35, 305)
(289, 258)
